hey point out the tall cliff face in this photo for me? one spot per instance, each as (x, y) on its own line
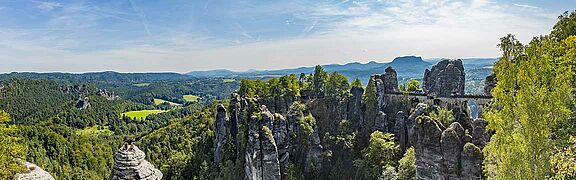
(129, 163)
(261, 156)
(447, 153)
(221, 120)
(445, 78)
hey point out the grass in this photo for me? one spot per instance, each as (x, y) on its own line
(141, 114)
(191, 98)
(141, 84)
(229, 80)
(94, 131)
(160, 101)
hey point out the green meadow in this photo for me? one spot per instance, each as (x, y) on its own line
(160, 101)
(191, 98)
(94, 131)
(141, 114)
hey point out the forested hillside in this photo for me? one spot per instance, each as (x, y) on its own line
(304, 126)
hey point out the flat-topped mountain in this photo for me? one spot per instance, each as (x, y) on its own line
(407, 67)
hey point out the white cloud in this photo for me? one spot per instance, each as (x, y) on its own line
(338, 32)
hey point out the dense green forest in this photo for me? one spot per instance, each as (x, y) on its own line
(45, 119)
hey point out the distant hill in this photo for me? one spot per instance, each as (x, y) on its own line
(407, 67)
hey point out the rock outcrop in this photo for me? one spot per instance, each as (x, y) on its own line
(400, 131)
(428, 151)
(261, 155)
(479, 135)
(389, 79)
(221, 120)
(282, 139)
(355, 113)
(489, 84)
(471, 159)
(445, 79)
(129, 164)
(109, 95)
(83, 103)
(446, 154)
(381, 122)
(234, 117)
(33, 172)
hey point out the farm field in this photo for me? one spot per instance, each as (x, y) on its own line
(191, 98)
(160, 101)
(141, 114)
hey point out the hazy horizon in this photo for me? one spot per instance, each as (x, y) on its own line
(183, 36)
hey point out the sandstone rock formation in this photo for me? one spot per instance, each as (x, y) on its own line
(479, 135)
(489, 84)
(446, 154)
(109, 95)
(381, 122)
(355, 114)
(129, 164)
(400, 131)
(428, 152)
(389, 79)
(33, 172)
(445, 78)
(282, 139)
(410, 123)
(261, 155)
(83, 103)
(235, 108)
(471, 162)
(221, 120)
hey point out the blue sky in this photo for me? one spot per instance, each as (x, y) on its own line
(184, 35)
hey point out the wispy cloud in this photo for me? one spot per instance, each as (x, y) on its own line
(143, 17)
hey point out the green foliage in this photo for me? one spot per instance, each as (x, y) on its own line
(356, 83)
(532, 97)
(565, 27)
(319, 80)
(10, 149)
(337, 87)
(407, 165)
(564, 161)
(413, 85)
(371, 105)
(142, 114)
(307, 125)
(378, 156)
(444, 115)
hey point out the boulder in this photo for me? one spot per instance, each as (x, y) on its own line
(129, 163)
(445, 79)
(33, 172)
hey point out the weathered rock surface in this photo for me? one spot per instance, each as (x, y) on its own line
(355, 113)
(489, 84)
(411, 123)
(234, 117)
(129, 164)
(445, 78)
(282, 139)
(451, 148)
(33, 172)
(428, 152)
(109, 95)
(381, 123)
(261, 156)
(471, 162)
(83, 103)
(389, 79)
(400, 131)
(479, 135)
(221, 120)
